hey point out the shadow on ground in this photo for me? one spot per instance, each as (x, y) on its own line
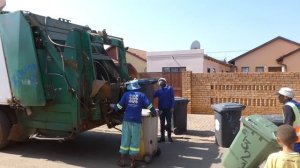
(98, 149)
(90, 149)
(200, 133)
(187, 154)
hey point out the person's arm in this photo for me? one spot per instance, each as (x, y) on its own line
(289, 116)
(121, 104)
(148, 105)
(172, 98)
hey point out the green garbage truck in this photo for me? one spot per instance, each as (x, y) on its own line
(57, 79)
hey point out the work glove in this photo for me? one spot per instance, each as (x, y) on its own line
(153, 113)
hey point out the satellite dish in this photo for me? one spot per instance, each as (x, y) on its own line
(195, 45)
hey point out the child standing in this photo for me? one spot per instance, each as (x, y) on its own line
(287, 158)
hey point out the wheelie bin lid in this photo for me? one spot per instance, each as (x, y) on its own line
(277, 119)
(225, 107)
(147, 81)
(181, 99)
(261, 126)
(146, 112)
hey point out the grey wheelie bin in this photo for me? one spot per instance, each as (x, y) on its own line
(148, 87)
(254, 142)
(180, 115)
(227, 122)
(277, 119)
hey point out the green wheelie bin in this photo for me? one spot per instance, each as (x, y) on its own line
(252, 145)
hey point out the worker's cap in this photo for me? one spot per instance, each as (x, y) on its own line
(162, 79)
(286, 91)
(133, 85)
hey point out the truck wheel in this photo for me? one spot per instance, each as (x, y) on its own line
(4, 130)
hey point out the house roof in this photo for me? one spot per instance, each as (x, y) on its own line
(140, 54)
(137, 53)
(215, 60)
(286, 55)
(263, 45)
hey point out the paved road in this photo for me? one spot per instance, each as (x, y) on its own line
(98, 148)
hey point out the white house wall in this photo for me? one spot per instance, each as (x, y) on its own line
(191, 59)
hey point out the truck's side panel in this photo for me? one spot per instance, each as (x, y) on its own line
(23, 68)
(5, 90)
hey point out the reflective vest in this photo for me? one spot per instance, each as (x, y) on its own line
(296, 123)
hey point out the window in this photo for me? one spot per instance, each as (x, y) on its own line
(208, 70)
(166, 69)
(173, 69)
(259, 69)
(245, 69)
(274, 69)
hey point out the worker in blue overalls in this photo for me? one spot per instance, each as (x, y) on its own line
(133, 101)
(166, 104)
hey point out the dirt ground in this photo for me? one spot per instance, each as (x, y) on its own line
(99, 148)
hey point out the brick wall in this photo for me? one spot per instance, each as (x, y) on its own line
(255, 90)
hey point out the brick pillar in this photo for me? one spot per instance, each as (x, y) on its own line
(187, 88)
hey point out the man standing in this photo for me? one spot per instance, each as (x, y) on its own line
(166, 103)
(291, 112)
(133, 101)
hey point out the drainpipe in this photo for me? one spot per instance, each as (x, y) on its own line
(283, 66)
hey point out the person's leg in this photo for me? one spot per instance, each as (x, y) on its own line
(169, 117)
(125, 143)
(135, 142)
(162, 118)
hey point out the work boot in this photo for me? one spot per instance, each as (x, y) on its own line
(132, 162)
(162, 139)
(121, 161)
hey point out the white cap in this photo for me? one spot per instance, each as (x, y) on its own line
(285, 91)
(133, 85)
(162, 79)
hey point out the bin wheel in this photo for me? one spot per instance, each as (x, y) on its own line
(4, 130)
(147, 158)
(176, 131)
(158, 152)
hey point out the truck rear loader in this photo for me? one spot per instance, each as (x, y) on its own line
(57, 79)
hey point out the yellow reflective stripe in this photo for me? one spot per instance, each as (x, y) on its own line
(124, 148)
(134, 149)
(119, 106)
(150, 106)
(297, 119)
(296, 112)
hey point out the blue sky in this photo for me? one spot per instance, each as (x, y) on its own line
(164, 25)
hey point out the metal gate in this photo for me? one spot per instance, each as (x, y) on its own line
(174, 79)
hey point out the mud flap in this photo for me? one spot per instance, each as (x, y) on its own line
(17, 133)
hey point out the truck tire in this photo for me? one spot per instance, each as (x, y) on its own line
(4, 130)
